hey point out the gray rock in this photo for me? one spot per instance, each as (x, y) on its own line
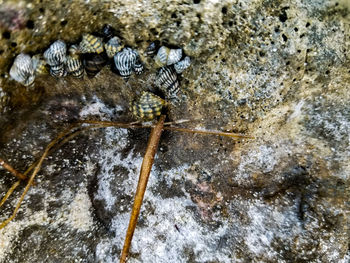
(277, 70)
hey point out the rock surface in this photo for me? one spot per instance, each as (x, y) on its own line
(278, 70)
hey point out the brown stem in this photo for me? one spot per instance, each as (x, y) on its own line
(12, 170)
(31, 167)
(138, 126)
(9, 192)
(208, 132)
(54, 145)
(36, 170)
(146, 167)
(111, 123)
(66, 139)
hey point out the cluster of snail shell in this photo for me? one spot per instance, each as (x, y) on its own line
(94, 52)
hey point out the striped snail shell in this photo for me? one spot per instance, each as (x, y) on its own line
(55, 56)
(125, 62)
(147, 106)
(152, 48)
(93, 63)
(40, 65)
(113, 46)
(166, 81)
(4, 100)
(167, 56)
(22, 70)
(107, 31)
(138, 66)
(182, 65)
(74, 66)
(91, 44)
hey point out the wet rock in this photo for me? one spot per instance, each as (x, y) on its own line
(277, 70)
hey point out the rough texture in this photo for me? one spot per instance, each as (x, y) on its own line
(278, 70)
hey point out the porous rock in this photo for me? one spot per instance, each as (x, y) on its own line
(277, 70)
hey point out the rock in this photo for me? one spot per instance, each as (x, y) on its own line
(272, 69)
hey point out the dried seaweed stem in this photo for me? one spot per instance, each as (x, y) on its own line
(61, 139)
(169, 128)
(146, 167)
(12, 170)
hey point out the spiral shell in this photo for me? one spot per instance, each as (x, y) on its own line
(125, 62)
(93, 63)
(4, 100)
(152, 48)
(138, 66)
(108, 31)
(73, 64)
(147, 106)
(182, 65)
(166, 56)
(22, 70)
(113, 46)
(166, 80)
(55, 56)
(40, 65)
(91, 44)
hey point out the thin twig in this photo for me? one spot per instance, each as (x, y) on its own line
(61, 139)
(209, 132)
(9, 192)
(12, 170)
(111, 123)
(57, 146)
(36, 170)
(188, 130)
(146, 167)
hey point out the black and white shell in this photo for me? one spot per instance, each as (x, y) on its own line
(40, 65)
(166, 81)
(93, 63)
(4, 100)
(74, 65)
(167, 56)
(138, 66)
(125, 62)
(23, 70)
(113, 46)
(182, 65)
(152, 48)
(107, 32)
(56, 56)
